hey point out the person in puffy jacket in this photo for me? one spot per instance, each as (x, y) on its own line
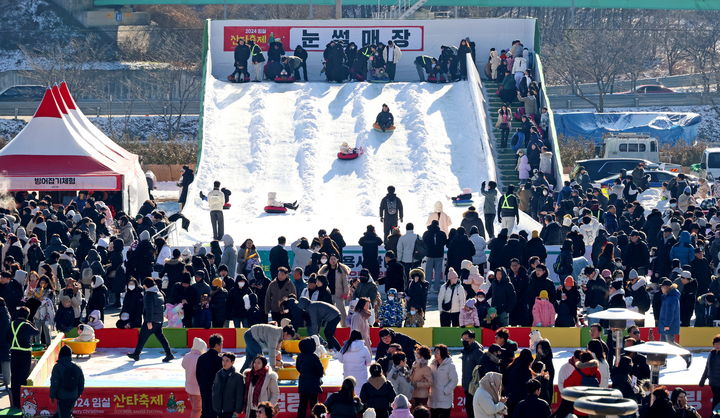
(67, 383)
(355, 358)
(543, 311)
(189, 363)
(310, 372)
(153, 310)
(445, 379)
(488, 401)
(669, 322)
(377, 392)
(451, 299)
(345, 403)
(439, 215)
(229, 254)
(469, 315)
(683, 250)
(392, 311)
(435, 240)
(227, 389)
(503, 295)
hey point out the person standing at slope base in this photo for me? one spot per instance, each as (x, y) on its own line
(489, 207)
(21, 335)
(508, 212)
(391, 209)
(216, 201)
(67, 383)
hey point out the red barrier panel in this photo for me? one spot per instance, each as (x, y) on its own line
(229, 335)
(117, 338)
(174, 402)
(521, 335)
(645, 335)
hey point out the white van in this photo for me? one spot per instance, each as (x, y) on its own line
(710, 164)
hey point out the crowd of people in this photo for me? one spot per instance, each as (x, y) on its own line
(345, 61)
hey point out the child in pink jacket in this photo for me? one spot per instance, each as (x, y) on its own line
(468, 315)
(543, 311)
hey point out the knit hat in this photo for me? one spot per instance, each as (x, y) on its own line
(686, 274)
(452, 274)
(535, 234)
(201, 274)
(606, 273)
(400, 402)
(569, 281)
(543, 294)
(492, 311)
(217, 282)
(633, 274)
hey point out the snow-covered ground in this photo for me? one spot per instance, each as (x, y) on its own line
(263, 137)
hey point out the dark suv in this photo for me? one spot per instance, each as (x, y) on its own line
(22, 94)
(599, 168)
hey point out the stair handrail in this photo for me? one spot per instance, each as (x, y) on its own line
(552, 133)
(482, 116)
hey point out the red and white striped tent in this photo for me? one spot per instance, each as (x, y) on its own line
(60, 149)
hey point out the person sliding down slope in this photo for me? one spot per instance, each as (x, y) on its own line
(272, 201)
(385, 119)
(347, 150)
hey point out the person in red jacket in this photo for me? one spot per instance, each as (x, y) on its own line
(586, 373)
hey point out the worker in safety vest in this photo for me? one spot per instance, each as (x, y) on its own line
(424, 64)
(508, 212)
(20, 336)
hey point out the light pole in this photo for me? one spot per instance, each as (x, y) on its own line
(617, 317)
(657, 352)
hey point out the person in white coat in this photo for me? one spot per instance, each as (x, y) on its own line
(523, 166)
(443, 219)
(487, 400)
(451, 299)
(518, 69)
(445, 379)
(478, 241)
(355, 358)
(406, 248)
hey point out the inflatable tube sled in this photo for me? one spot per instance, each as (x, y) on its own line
(377, 128)
(275, 209)
(358, 152)
(231, 78)
(378, 80)
(462, 202)
(437, 80)
(284, 79)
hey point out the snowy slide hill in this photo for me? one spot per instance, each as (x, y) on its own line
(263, 137)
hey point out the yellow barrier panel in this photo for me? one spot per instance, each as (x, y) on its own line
(423, 336)
(697, 337)
(240, 337)
(561, 336)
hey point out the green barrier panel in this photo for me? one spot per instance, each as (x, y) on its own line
(72, 333)
(585, 335)
(177, 338)
(451, 336)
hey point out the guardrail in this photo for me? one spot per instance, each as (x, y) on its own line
(639, 100)
(482, 116)
(682, 80)
(552, 134)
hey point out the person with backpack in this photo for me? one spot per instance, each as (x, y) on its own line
(586, 373)
(564, 263)
(391, 210)
(67, 383)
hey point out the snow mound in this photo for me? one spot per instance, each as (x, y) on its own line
(263, 137)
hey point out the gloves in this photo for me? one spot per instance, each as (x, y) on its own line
(382, 219)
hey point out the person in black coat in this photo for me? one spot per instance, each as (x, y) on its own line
(417, 290)
(532, 406)
(310, 372)
(688, 297)
(116, 273)
(569, 300)
(67, 383)
(132, 306)
(701, 271)
(535, 247)
(391, 207)
(637, 255)
(551, 232)
(208, 364)
(10, 290)
(519, 278)
(394, 273)
(301, 53)
(236, 301)
(183, 292)
(278, 257)
(20, 333)
(471, 218)
(370, 243)
(503, 296)
(514, 248)
(276, 51)
(98, 297)
(378, 392)
(188, 176)
(390, 336)
(242, 55)
(459, 248)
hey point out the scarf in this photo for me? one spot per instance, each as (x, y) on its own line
(492, 384)
(257, 379)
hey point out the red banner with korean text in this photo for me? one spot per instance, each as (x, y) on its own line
(174, 402)
(315, 38)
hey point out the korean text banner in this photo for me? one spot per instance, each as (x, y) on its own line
(415, 37)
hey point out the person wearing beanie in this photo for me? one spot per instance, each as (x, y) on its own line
(543, 311)
(507, 209)
(451, 299)
(192, 388)
(218, 303)
(67, 383)
(569, 298)
(617, 294)
(669, 320)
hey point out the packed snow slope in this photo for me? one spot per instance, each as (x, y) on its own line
(263, 137)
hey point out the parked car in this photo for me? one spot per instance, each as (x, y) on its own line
(649, 89)
(600, 168)
(22, 94)
(657, 178)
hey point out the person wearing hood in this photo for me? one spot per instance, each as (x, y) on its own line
(67, 383)
(370, 243)
(153, 304)
(401, 407)
(478, 241)
(98, 297)
(669, 321)
(445, 379)
(92, 266)
(459, 248)
(391, 208)
(192, 388)
(439, 215)
(377, 392)
(637, 289)
(310, 372)
(569, 298)
(503, 295)
(706, 310)
(451, 299)
(488, 401)
(227, 389)
(141, 260)
(683, 250)
(218, 303)
(229, 255)
(321, 314)
(355, 358)
(392, 311)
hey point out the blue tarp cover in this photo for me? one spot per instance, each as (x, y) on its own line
(668, 127)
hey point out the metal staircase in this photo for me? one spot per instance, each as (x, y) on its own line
(506, 158)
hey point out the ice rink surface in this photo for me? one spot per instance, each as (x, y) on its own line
(111, 367)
